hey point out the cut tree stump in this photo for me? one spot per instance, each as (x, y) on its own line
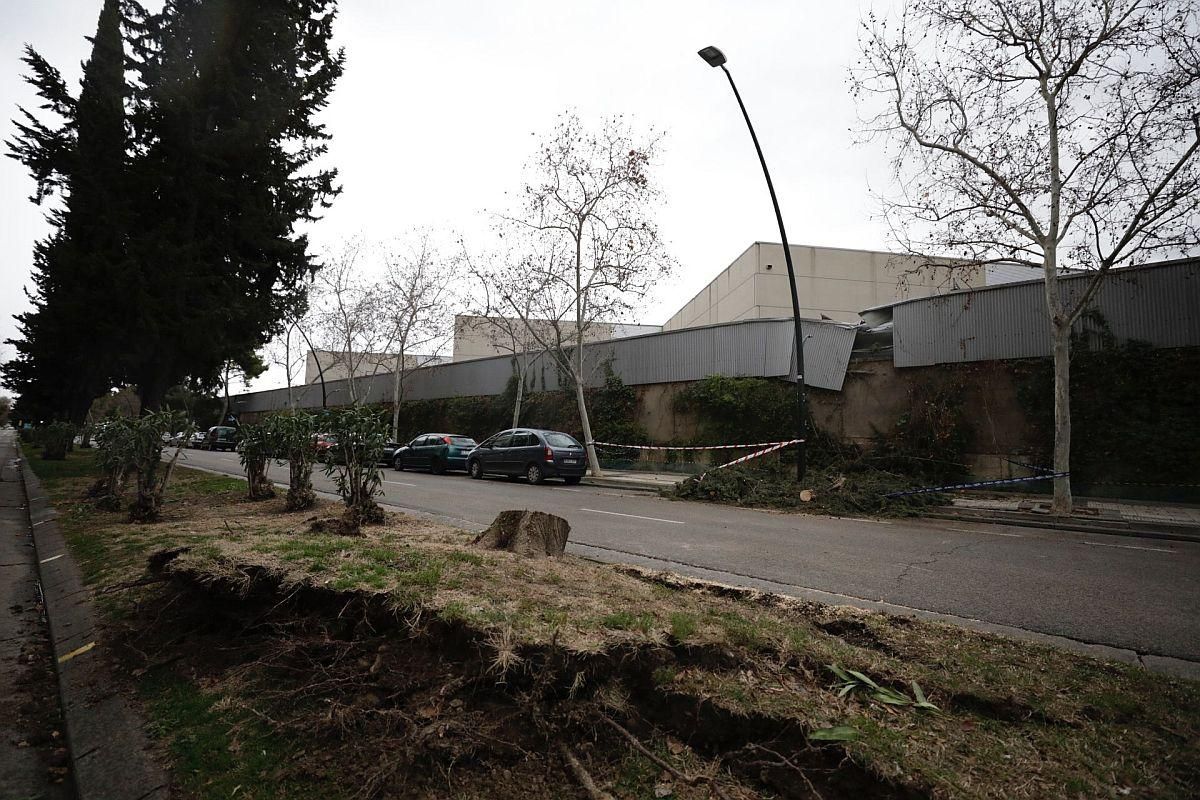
(526, 533)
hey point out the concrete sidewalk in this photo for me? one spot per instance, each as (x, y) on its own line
(33, 757)
(1092, 515)
(111, 755)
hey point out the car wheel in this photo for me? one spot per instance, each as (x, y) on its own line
(475, 470)
(571, 481)
(437, 466)
(398, 463)
(533, 474)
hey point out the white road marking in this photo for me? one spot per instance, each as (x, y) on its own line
(51, 558)
(634, 516)
(989, 533)
(398, 483)
(1130, 547)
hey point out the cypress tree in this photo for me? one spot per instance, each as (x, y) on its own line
(224, 128)
(68, 351)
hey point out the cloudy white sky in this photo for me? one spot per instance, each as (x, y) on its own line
(442, 99)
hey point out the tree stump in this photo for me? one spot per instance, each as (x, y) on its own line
(526, 533)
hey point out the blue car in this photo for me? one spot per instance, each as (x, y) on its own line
(436, 452)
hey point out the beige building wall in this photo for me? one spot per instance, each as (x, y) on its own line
(830, 281)
(475, 337)
(334, 365)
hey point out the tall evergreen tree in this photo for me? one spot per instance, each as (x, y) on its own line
(225, 131)
(68, 350)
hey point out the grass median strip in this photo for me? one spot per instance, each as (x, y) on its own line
(286, 662)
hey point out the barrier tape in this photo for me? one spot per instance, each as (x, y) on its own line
(697, 447)
(978, 484)
(775, 446)
(1029, 466)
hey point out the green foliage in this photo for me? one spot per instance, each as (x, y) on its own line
(1133, 417)
(56, 440)
(128, 445)
(849, 489)
(740, 410)
(930, 441)
(294, 437)
(849, 680)
(256, 447)
(353, 462)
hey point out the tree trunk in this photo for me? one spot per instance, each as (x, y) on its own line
(396, 397)
(1062, 418)
(521, 372)
(593, 462)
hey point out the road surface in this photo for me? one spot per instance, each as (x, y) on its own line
(1137, 594)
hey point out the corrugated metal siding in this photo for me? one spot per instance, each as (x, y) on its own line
(1158, 304)
(759, 348)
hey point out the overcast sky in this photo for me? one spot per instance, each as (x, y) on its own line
(441, 102)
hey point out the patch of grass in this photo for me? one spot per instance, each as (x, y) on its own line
(221, 754)
(78, 464)
(628, 621)
(683, 626)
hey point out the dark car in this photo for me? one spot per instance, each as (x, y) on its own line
(534, 454)
(220, 437)
(436, 452)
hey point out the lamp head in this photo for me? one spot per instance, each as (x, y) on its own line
(713, 56)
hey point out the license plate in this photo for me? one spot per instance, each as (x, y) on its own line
(570, 460)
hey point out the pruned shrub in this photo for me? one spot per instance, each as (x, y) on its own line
(112, 456)
(56, 440)
(353, 462)
(256, 449)
(294, 435)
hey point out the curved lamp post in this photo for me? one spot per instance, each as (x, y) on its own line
(715, 58)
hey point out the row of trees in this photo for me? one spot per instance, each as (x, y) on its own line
(176, 178)
(578, 252)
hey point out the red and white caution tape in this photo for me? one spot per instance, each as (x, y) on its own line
(763, 452)
(773, 445)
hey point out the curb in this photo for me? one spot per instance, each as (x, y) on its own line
(1167, 532)
(111, 756)
(604, 483)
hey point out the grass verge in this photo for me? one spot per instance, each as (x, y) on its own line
(405, 662)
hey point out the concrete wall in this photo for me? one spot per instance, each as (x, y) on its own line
(335, 366)
(830, 281)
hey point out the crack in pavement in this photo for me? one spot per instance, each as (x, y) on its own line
(935, 556)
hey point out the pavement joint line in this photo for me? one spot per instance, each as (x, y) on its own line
(51, 558)
(989, 533)
(1129, 547)
(634, 516)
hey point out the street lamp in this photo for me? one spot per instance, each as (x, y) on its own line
(715, 58)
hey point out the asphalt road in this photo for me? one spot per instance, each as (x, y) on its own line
(1138, 594)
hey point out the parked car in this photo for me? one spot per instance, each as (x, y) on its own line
(534, 454)
(436, 452)
(323, 443)
(197, 439)
(220, 437)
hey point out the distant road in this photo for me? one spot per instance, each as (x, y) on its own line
(1137, 594)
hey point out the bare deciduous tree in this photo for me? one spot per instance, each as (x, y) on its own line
(593, 247)
(418, 304)
(502, 309)
(1057, 134)
(347, 317)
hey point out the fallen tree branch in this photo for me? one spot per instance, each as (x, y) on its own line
(582, 776)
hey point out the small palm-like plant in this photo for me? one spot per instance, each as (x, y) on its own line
(353, 463)
(295, 437)
(111, 457)
(256, 449)
(142, 450)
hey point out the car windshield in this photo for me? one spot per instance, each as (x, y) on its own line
(462, 441)
(562, 440)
